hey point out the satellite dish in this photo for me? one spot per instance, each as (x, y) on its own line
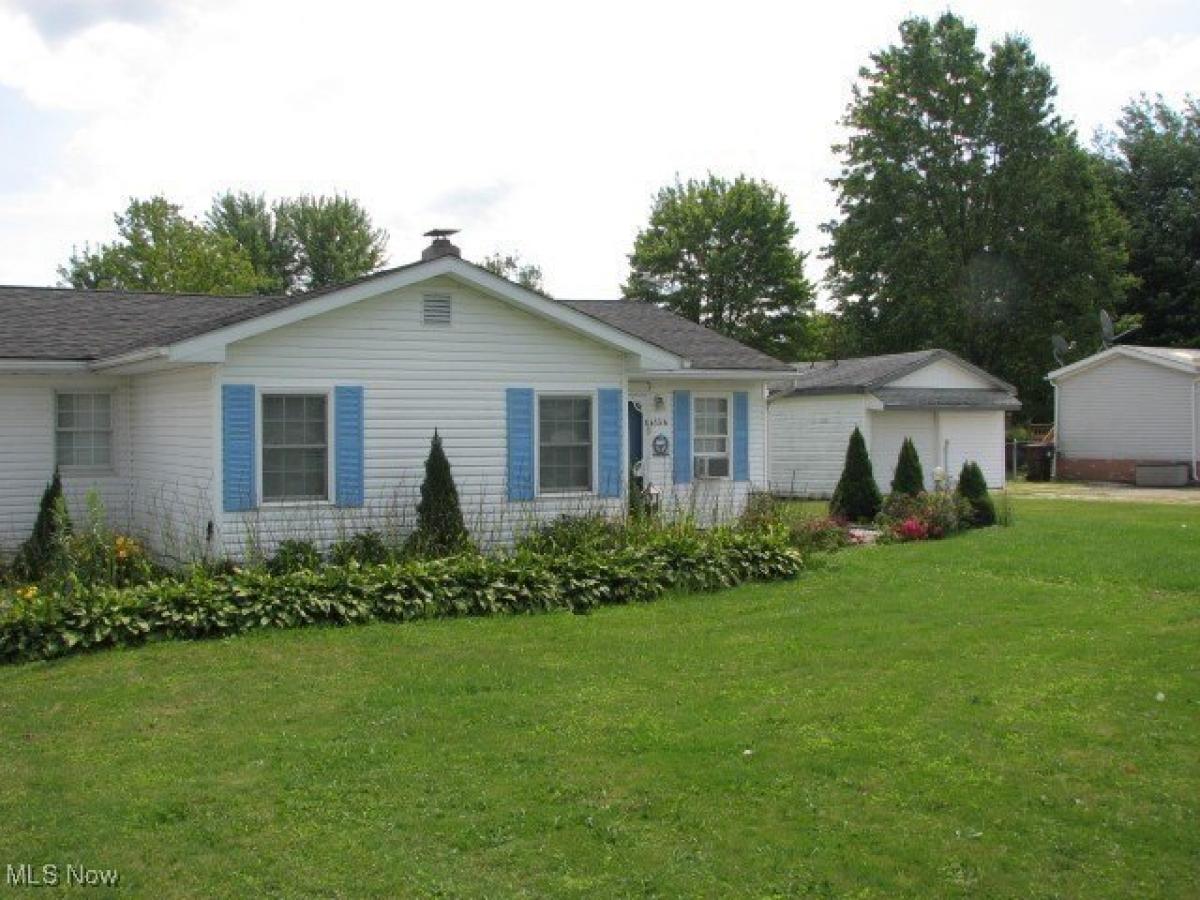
(1061, 348)
(1107, 330)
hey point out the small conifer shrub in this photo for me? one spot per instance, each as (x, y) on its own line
(45, 546)
(972, 487)
(856, 497)
(440, 529)
(908, 478)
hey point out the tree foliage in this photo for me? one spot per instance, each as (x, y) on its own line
(329, 239)
(440, 528)
(160, 249)
(1154, 160)
(970, 218)
(720, 253)
(243, 245)
(512, 267)
(908, 478)
(856, 497)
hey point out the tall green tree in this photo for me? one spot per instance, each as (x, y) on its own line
(512, 267)
(249, 220)
(160, 249)
(720, 253)
(330, 239)
(1154, 160)
(970, 217)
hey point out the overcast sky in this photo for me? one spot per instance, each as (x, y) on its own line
(543, 128)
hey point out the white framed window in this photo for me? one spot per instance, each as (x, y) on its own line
(83, 430)
(710, 437)
(565, 443)
(295, 447)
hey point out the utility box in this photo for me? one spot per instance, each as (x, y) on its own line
(1161, 475)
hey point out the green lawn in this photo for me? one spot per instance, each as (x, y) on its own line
(979, 716)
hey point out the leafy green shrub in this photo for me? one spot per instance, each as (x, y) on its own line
(908, 477)
(939, 513)
(972, 487)
(292, 556)
(856, 497)
(42, 552)
(762, 510)
(568, 534)
(819, 534)
(95, 554)
(440, 528)
(367, 548)
(36, 625)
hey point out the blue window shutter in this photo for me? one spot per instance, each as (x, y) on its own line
(520, 443)
(611, 442)
(237, 447)
(741, 436)
(348, 477)
(682, 428)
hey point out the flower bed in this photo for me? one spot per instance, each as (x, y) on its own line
(46, 624)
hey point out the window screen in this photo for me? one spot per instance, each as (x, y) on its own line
(83, 430)
(295, 441)
(564, 444)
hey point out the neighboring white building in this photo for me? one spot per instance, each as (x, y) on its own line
(953, 411)
(210, 423)
(1124, 407)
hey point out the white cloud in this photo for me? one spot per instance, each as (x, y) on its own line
(541, 127)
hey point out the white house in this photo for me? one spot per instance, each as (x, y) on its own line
(953, 411)
(1124, 407)
(206, 423)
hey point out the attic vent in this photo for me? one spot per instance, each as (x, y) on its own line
(436, 310)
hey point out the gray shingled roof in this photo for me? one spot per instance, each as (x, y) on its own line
(865, 373)
(706, 349)
(945, 398)
(67, 324)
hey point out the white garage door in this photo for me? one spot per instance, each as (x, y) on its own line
(889, 428)
(977, 436)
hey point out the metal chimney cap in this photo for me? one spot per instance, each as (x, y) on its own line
(441, 245)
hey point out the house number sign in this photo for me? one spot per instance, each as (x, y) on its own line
(660, 445)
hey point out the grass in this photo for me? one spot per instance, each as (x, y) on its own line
(971, 717)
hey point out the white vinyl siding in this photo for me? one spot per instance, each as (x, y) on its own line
(1126, 409)
(942, 373)
(974, 436)
(416, 379)
(28, 411)
(808, 441)
(174, 437)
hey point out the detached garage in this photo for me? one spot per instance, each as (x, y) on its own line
(1128, 414)
(952, 410)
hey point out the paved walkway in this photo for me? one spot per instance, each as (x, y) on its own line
(1102, 490)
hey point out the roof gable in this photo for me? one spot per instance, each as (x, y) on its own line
(1182, 360)
(864, 374)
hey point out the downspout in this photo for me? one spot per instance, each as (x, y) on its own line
(1058, 436)
(1195, 474)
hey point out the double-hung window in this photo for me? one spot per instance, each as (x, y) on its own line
(83, 430)
(295, 447)
(564, 444)
(710, 437)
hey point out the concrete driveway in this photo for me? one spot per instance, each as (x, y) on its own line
(1102, 490)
